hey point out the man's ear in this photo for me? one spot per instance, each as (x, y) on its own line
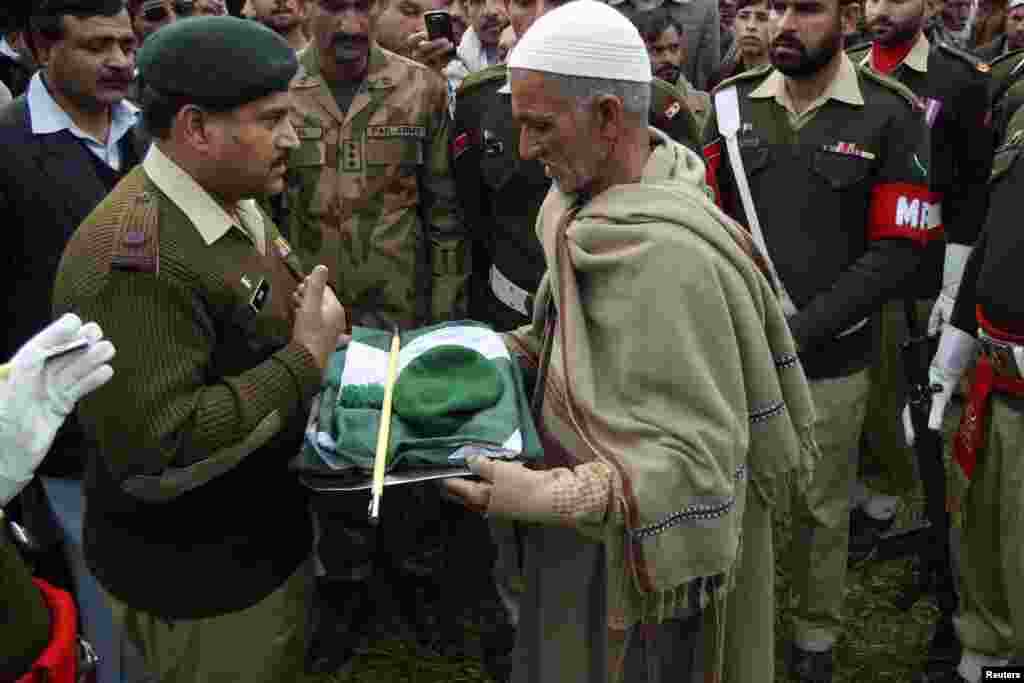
(40, 47)
(849, 13)
(610, 116)
(193, 126)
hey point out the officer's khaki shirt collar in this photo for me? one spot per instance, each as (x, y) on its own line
(844, 87)
(916, 59)
(209, 217)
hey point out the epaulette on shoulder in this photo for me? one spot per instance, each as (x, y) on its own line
(1006, 66)
(666, 88)
(137, 217)
(891, 84)
(743, 76)
(979, 65)
(1007, 61)
(489, 75)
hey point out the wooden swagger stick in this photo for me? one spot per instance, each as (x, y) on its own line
(384, 433)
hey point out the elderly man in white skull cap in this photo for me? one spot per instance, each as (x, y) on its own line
(669, 397)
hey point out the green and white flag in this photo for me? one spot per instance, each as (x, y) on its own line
(458, 391)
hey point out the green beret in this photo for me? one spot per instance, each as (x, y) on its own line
(443, 388)
(221, 62)
(80, 8)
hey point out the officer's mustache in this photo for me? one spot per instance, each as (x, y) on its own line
(880, 25)
(788, 41)
(347, 47)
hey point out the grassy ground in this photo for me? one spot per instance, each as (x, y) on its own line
(881, 643)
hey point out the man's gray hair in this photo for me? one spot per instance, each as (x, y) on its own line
(635, 96)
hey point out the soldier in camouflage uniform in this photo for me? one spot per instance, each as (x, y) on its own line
(369, 189)
(369, 193)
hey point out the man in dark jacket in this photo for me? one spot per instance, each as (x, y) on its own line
(66, 142)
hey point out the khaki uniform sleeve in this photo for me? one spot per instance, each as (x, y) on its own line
(449, 241)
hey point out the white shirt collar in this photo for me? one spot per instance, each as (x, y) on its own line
(49, 117)
(209, 217)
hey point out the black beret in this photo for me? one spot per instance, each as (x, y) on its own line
(221, 62)
(84, 8)
(14, 14)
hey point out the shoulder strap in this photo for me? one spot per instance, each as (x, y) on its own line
(743, 76)
(136, 215)
(975, 63)
(891, 84)
(494, 72)
(727, 111)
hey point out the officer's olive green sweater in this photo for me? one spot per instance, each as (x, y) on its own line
(24, 618)
(191, 511)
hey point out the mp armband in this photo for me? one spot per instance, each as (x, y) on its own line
(712, 163)
(905, 211)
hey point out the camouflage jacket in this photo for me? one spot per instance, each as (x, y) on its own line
(370, 193)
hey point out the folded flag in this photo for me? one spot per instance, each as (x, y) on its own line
(458, 391)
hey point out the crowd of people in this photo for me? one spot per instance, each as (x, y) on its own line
(703, 230)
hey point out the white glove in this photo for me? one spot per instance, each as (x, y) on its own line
(956, 351)
(952, 273)
(38, 395)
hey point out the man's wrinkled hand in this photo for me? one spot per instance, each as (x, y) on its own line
(435, 54)
(475, 495)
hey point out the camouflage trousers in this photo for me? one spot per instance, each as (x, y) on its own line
(991, 617)
(821, 515)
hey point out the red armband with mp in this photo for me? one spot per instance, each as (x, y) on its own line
(905, 211)
(713, 162)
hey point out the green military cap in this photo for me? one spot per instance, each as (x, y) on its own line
(443, 388)
(221, 62)
(57, 8)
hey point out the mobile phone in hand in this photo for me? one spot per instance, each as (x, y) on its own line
(439, 25)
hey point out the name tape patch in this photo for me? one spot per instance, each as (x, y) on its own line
(396, 131)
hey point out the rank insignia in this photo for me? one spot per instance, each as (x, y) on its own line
(283, 248)
(259, 296)
(672, 110)
(849, 149)
(460, 144)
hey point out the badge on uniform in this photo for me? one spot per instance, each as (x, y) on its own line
(672, 110)
(849, 149)
(283, 248)
(460, 144)
(932, 107)
(492, 145)
(259, 296)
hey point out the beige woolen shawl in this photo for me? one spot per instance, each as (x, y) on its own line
(672, 363)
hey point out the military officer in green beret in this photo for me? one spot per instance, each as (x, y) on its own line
(193, 525)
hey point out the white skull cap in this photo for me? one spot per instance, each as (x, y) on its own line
(584, 38)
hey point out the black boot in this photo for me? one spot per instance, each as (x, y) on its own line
(810, 667)
(865, 531)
